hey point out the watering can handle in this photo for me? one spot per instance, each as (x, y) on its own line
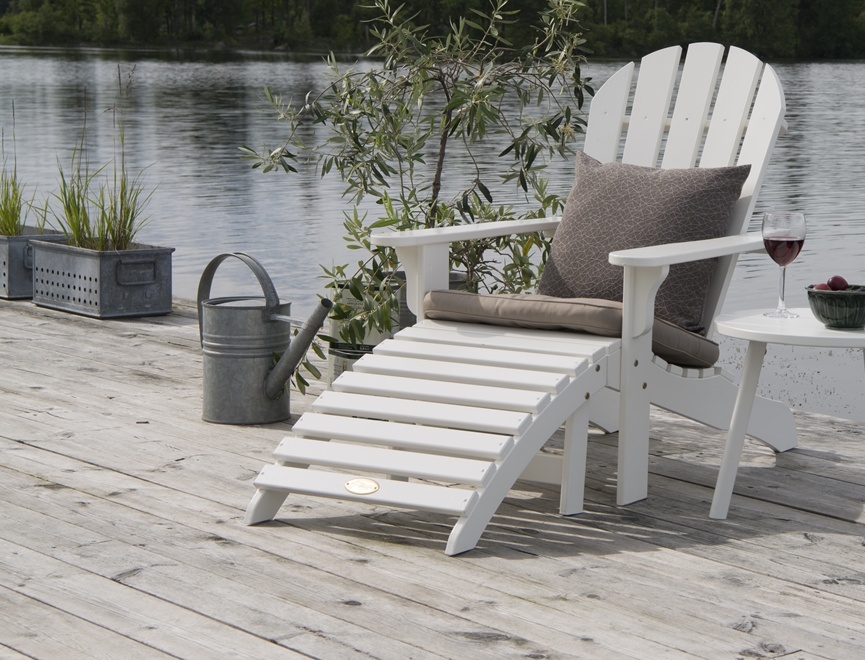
(270, 295)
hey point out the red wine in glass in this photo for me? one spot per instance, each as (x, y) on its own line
(783, 249)
(783, 236)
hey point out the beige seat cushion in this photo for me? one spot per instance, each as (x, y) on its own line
(616, 207)
(599, 317)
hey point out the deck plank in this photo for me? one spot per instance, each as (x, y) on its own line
(106, 603)
(122, 533)
(23, 622)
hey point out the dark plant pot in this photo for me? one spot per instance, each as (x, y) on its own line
(16, 262)
(342, 356)
(839, 309)
(135, 282)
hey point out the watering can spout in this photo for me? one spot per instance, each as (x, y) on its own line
(279, 375)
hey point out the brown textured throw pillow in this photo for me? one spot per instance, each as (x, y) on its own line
(616, 207)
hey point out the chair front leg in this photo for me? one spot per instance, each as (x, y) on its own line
(640, 287)
(574, 462)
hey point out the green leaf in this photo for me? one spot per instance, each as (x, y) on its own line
(484, 190)
(312, 369)
(355, 290)
(384, 222)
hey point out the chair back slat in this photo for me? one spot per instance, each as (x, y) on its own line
(607, 116)
(651, 106)
(764, 126)
(693, 99)
(730, 112)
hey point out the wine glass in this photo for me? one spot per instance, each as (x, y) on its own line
(783, 236)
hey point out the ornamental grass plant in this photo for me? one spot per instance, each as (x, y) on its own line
(14, 205)
(101, 209)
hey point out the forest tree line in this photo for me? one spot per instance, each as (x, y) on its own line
(808, 29)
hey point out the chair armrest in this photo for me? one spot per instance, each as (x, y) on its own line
(646, 268)
(425, 254)
(677, 253)
(437, 235)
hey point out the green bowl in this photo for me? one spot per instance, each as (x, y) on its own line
(839, 309)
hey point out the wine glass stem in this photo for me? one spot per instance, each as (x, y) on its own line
(781, 304)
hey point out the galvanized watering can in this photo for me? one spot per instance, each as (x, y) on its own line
(239, 338)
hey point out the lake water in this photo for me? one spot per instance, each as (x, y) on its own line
(190, 114)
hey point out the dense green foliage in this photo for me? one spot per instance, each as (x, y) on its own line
(413, 132)
(770, 28)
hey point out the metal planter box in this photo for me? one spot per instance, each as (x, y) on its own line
(134, 282)
(16, 261)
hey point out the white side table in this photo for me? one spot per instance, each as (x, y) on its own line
(760, 330)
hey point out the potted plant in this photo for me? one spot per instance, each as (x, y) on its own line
(102, 271)
(412, 130)
(16, 253)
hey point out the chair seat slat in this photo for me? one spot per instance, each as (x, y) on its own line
(449, 442)
(458, 372)
(421, 389)
(386, 461)
(471, 355)
(412, 495)
(566, 344)
(423, 412)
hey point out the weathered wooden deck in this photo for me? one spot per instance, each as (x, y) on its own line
(121, 534)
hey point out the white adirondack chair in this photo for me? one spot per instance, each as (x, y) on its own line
(455, 413)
